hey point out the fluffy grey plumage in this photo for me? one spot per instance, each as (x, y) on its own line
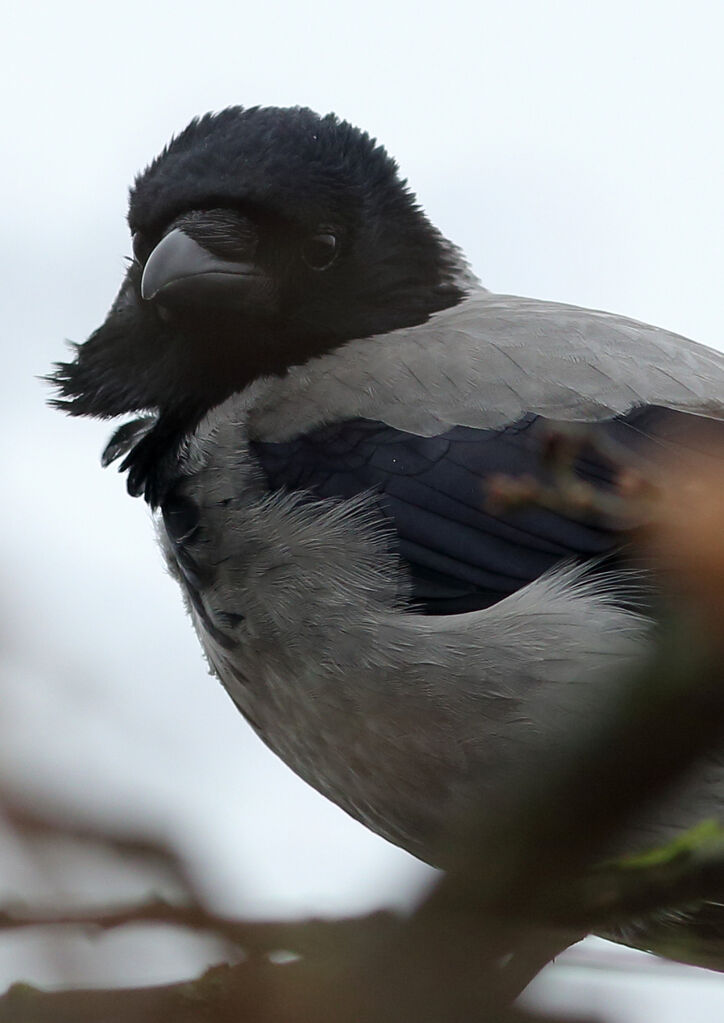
(397, 716)
(329, 389)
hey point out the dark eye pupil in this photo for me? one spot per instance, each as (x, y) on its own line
(319, 251)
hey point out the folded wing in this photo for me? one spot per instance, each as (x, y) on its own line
(461, 554)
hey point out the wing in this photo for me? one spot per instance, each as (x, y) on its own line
(433, 491)
(426, 415)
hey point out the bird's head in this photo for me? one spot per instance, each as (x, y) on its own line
(261, 238)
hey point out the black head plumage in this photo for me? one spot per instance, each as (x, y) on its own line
(291, 167)
(263, 237)
(291, 161)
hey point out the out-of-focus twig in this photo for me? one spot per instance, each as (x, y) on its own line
(32, 821)
(304, 937)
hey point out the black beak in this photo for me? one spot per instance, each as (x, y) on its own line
(180, 271)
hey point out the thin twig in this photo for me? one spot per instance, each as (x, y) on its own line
(305, 937)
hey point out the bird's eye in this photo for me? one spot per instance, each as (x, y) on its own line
(141, 248)
(320, 251)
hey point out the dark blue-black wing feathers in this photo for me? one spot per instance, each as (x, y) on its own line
(433, 490)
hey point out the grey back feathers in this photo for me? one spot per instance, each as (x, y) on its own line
(490, 360)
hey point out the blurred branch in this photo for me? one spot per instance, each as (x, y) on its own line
(306, 937)
(260, 992)
(35, 824)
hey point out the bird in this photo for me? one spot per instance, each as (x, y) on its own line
(322, 391)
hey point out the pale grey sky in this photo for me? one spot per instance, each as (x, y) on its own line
(574, 150)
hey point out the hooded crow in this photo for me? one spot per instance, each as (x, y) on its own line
(326, 393)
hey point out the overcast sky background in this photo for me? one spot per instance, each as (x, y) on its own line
(574, 150)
